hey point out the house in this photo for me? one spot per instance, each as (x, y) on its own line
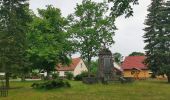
(117, 68)
(76, 67)
(133, 66)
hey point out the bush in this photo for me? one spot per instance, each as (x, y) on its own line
(80, 76)
(55, 76)
(14, 76)
(51, 84)
(35, 75)
(69, 75)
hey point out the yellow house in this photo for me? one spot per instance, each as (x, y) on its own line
(133, 66)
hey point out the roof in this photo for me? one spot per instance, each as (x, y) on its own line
(131, 62)
(71, 67)
(117, 66)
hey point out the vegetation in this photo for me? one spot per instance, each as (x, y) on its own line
(136, 54)
(91, 28)
(157, 38)
(121, 7)
(51, 84)
(69, 75)
(80, 76)
(139, 90)
(117, 57)
(14, 17)
(165, 40)
(48, 40)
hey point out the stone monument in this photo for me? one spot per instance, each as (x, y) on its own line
(105, 71)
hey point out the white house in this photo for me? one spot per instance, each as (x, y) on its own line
(76, 67)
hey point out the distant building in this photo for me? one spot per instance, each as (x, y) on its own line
(132, 63)
(76, 67)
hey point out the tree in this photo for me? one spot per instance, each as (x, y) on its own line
(49, 44)
(153, 31)
(163, 40)
(137, 54)
(91, 28)
(121, 7)
(117, 57)
(14, 17)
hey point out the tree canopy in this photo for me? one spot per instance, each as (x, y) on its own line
(48, 40)
(157, 37)
(117, 57)
(91, 28)
(137, 54)
(14, 17)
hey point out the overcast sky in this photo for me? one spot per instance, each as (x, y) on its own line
(128, 37)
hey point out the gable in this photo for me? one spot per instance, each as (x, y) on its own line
(70, 67)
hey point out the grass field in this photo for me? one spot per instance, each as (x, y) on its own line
(139, 90)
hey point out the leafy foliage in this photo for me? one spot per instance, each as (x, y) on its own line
(14, 17)
(49, 44)
(136, 54)
(121, 7)
(118, 57)
(157, 37)
(69, 75)
(51, 84)
(91, 28)
(79, 77)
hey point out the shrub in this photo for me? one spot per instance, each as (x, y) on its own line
(14, 76)
(35, 75)
(55, 76)
(51, 84)
(80, 76)
(69, 75)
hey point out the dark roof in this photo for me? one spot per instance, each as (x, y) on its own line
(70, 67)
(131, 62)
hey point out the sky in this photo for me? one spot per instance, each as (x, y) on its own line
(128, 37)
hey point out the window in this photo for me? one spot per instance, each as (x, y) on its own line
(81, 65)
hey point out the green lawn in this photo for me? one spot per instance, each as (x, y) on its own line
(139, 90)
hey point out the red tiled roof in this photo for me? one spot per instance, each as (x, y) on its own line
(71, 67)
(131, 62)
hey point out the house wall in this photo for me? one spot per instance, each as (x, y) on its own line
(62, 73)
(142, 74)
(80, 68)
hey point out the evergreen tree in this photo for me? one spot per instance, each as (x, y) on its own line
(153, 30)
(164, 40)
(13, 27)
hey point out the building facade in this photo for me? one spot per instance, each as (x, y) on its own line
(76, 67)
(133, 66)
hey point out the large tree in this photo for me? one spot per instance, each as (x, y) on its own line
(92, 28)
(48, 40)
(163, 40)
(154, 30)
(14, 17)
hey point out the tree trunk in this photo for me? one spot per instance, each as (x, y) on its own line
(7, 80)
(89, 66)
(23, 78)
(48, 75)
(168, 78)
